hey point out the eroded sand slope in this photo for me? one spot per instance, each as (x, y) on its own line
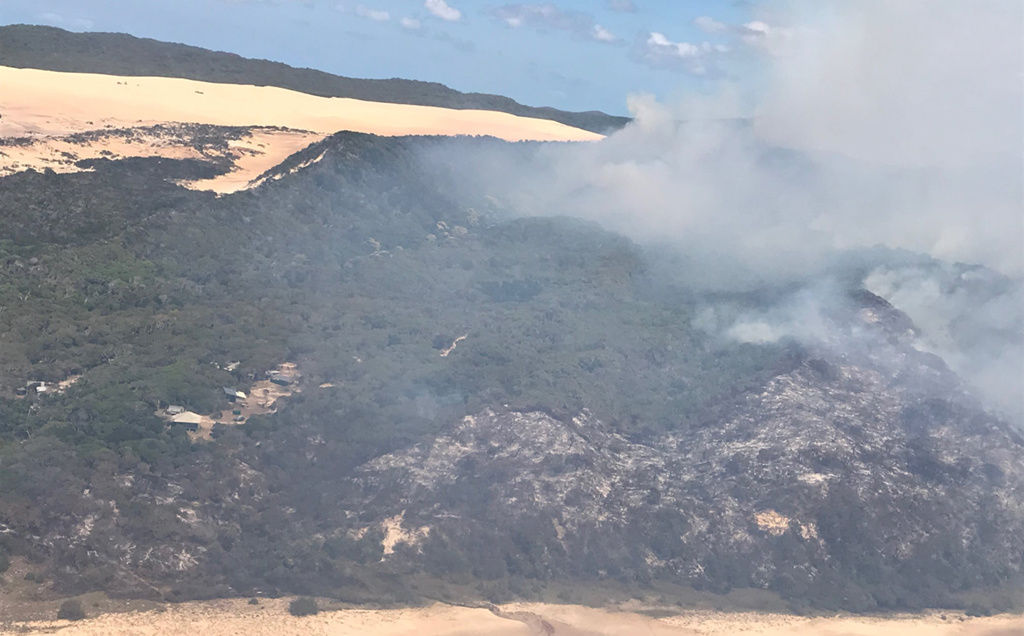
(46, 109)
(271, 618)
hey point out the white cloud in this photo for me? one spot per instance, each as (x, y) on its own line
(677, 49)
(710, 25)
(661, 52)
(410, 23)
(757, 28)
(548, 16)
(765, 36)
(443, 10)
(756, 33)
(602, 34)
(376, 15)
(625, 6)
(542, 15)
(709, 58)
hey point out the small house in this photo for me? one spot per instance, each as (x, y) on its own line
(174, 409)
(188, 419)
(233, 394)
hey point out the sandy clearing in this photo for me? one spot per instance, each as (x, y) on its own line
(260, 151)
(270, 617)
(35, 102)
(254, 152)
(261, 399)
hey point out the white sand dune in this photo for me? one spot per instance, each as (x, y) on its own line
(47, 102)
(271, 618)
(48, 106)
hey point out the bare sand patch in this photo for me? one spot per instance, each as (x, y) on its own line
(394, 534)
(258, 152)
(270, 617)
(252, 153)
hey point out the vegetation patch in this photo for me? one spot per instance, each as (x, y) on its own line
(71, 610)
(303, 606)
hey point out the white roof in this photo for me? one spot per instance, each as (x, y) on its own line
(188, 417)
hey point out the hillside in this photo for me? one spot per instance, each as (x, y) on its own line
(485, 403)
(50, 48)
(243, 354)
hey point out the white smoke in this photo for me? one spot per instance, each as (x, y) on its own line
(875, 123)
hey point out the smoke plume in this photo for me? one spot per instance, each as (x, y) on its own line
(862, 125)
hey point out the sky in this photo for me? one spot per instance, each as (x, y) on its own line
(568, 54)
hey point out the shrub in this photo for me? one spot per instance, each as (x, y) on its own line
(976, 610)
(71, 610)
(303, 606)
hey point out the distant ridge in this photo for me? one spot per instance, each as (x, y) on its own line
(53, 49)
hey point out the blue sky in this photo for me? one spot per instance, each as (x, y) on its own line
(568, 53)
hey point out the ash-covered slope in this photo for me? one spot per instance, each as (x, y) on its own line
(50, 48)
(842, 483)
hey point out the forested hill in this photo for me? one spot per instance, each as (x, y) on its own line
(50, 48)
(488, 407)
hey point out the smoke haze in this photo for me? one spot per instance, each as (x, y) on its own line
(876, 124)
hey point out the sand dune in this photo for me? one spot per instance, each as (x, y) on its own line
(48, 106)
(35, 102)
(271, 618)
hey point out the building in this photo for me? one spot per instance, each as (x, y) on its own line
(188, 419)
(233, 394)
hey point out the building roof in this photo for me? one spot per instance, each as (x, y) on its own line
(187, 417)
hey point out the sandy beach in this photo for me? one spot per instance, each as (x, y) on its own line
(271, 618)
